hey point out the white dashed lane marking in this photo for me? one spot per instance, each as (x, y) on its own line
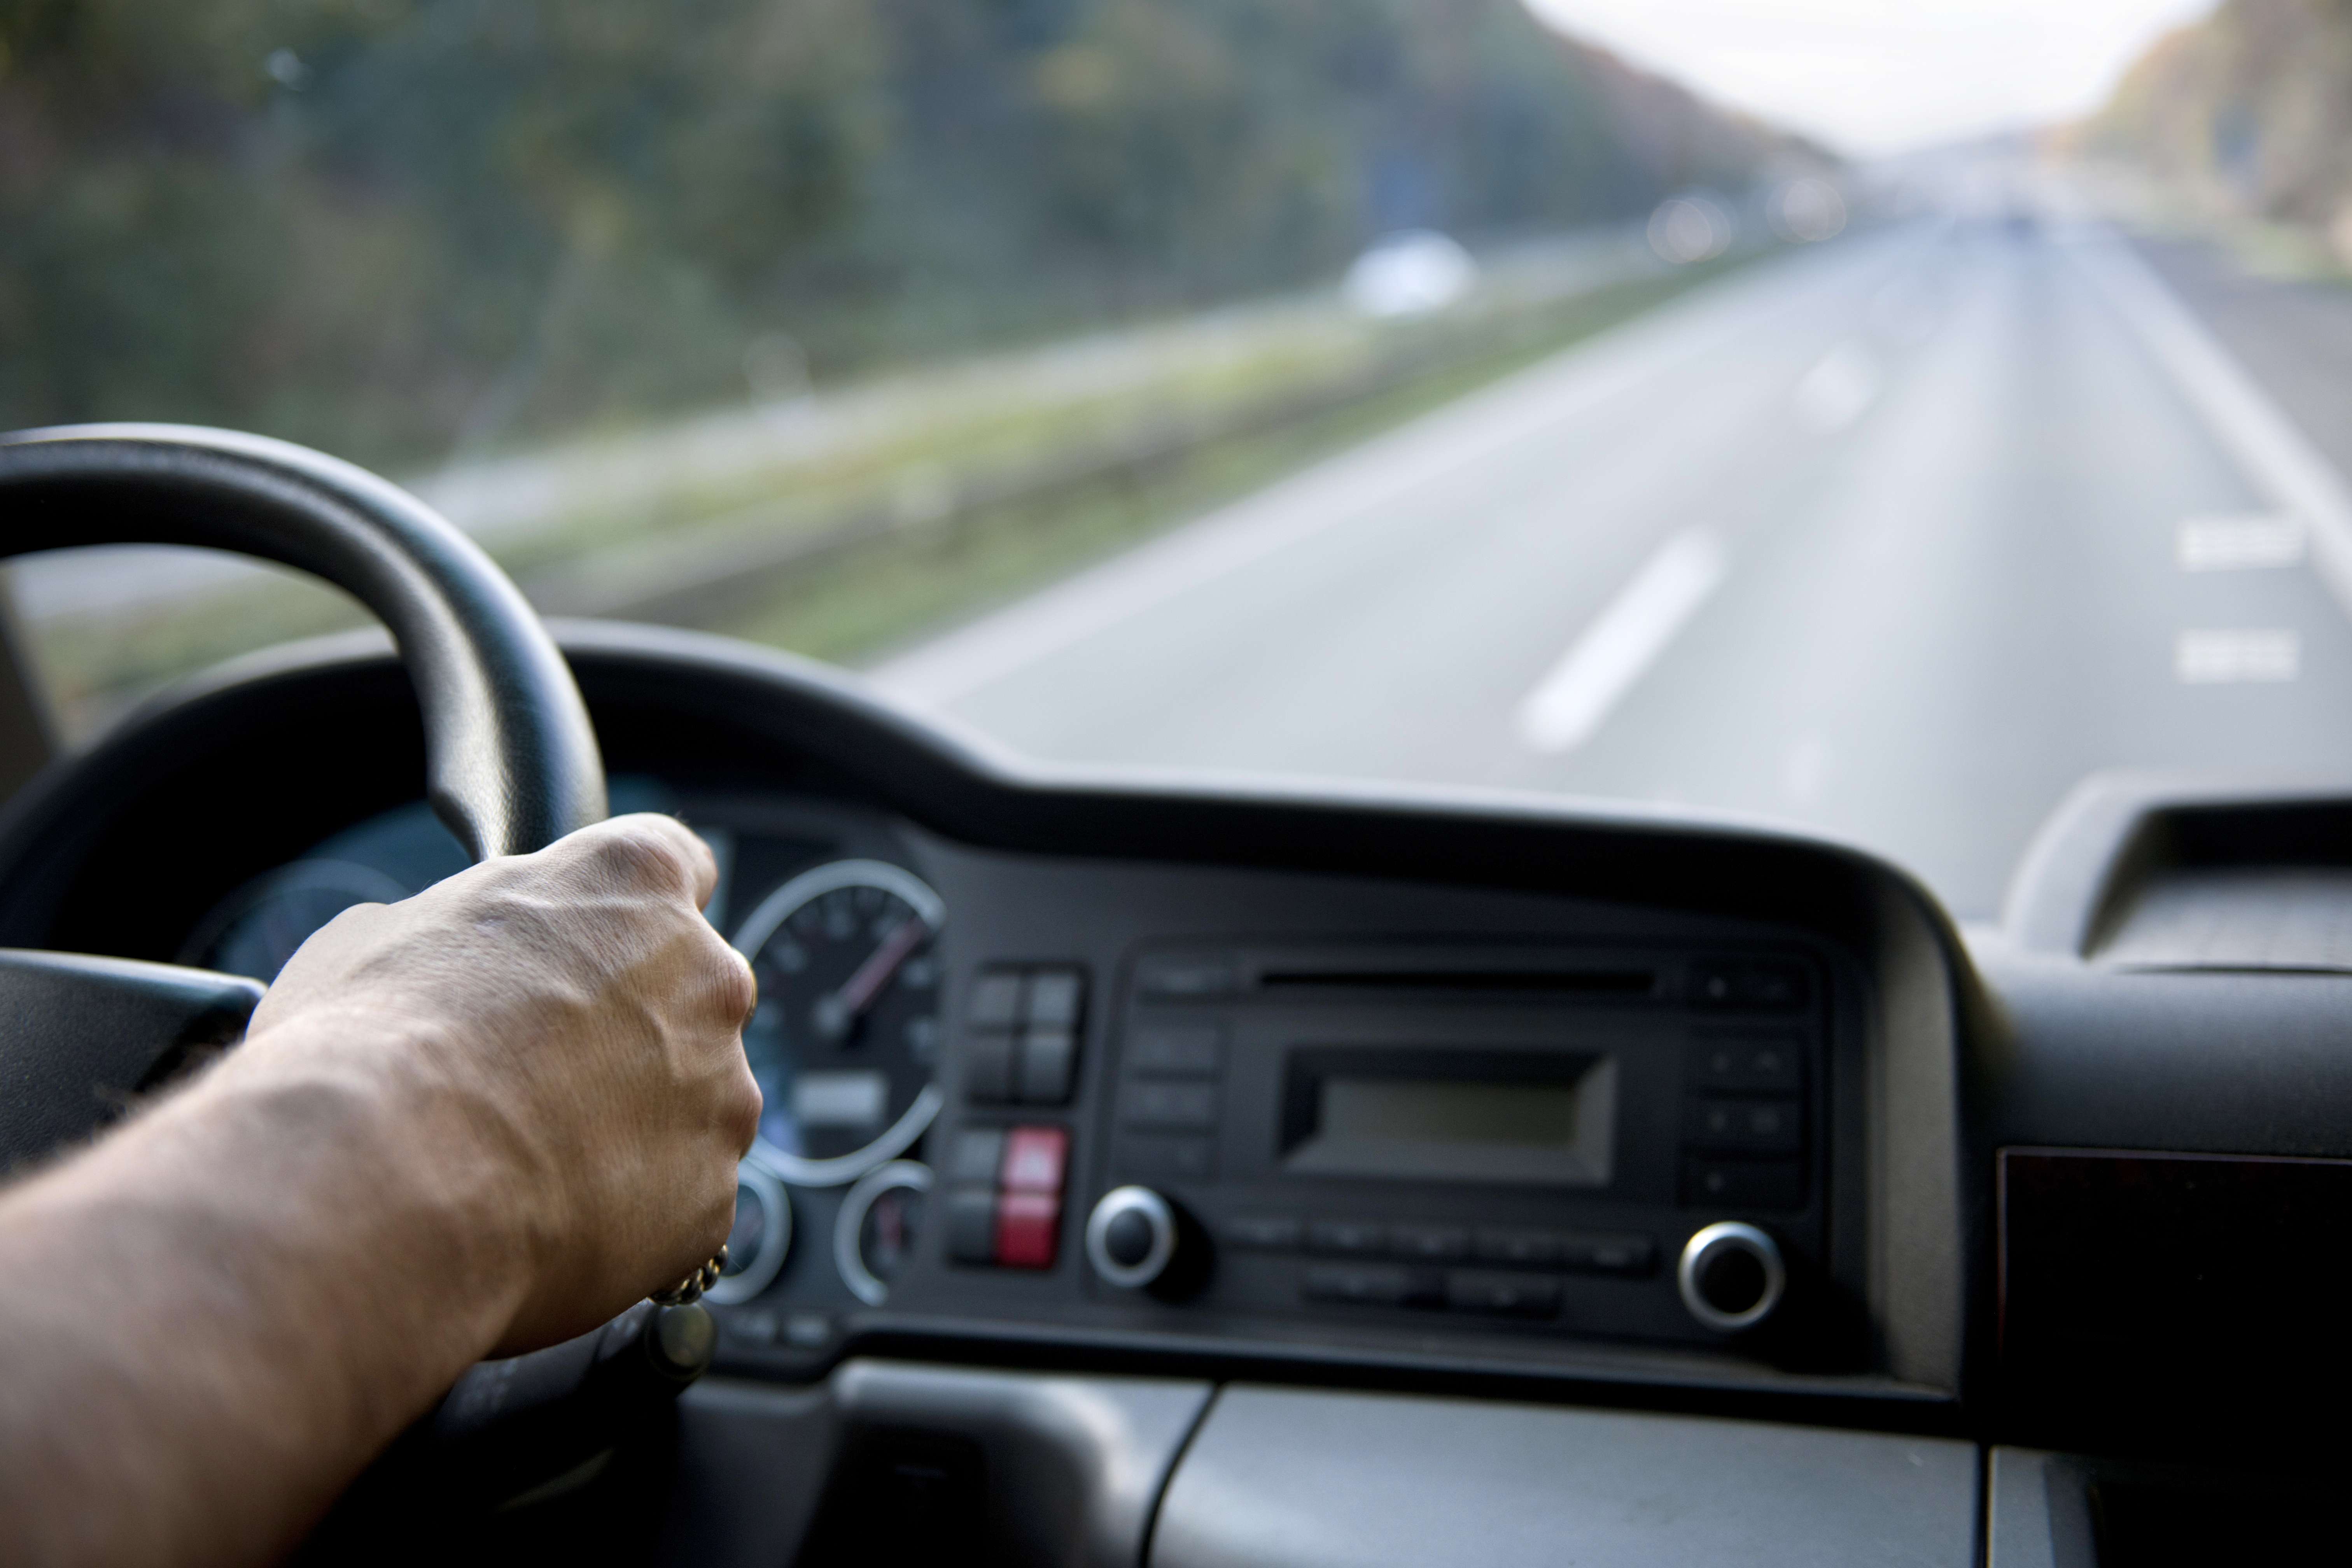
(2218, 658)
(2240, 543)
(1580, 692)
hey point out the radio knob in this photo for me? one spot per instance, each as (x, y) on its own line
(1731, 1276)
(1132, 1236)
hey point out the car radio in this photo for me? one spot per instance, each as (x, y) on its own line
(1553, 1139)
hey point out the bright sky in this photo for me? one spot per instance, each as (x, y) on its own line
(1880, 75)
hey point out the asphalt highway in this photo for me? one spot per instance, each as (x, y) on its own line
(1896, 538)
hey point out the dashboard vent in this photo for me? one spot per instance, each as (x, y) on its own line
(2245, 887)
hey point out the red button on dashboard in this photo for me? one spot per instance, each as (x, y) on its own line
(1033, 1160)
(1026, 1226)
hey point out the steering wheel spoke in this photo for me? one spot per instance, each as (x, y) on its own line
(80, 1037)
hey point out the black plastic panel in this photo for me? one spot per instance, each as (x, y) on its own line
(2174, 1291)
(891, 1463)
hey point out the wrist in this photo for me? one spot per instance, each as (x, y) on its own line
(393, 1166)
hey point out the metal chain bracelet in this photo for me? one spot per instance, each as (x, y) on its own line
(688, 1290)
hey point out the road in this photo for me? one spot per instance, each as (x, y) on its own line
(1895, 539)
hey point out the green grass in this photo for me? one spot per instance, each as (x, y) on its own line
(857, 603)
(872, 601)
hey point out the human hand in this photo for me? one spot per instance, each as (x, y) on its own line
(564, 1030)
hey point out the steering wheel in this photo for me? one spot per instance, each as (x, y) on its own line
(511, 760)
(512, 765)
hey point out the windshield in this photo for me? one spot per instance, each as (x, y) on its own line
(1874, 419)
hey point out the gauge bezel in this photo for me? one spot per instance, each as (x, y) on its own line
(373, 884)
(753, 934)
(776, 1241)
(911, 1174)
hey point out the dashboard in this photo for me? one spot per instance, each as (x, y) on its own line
(1195, 1150)
(1280, 1110)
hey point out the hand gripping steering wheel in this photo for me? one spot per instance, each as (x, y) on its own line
(511, 760)
(511, 757)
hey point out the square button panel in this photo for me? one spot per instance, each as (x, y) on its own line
(1028, 1228)
(1044, 1065)
(1022, 1044)
(1034, 1159)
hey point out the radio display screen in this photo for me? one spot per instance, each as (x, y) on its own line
(1514, 1117)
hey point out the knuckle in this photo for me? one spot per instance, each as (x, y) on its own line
(743, 1108)
(637, 851)
(739, 992)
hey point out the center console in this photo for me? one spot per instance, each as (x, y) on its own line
(1588, 1141)
(1541, 1141)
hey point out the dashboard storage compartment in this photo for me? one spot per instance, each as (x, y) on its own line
(1285, 1479)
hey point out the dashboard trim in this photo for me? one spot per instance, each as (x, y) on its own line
(809, 730)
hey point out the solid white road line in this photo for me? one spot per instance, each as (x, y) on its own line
(2275, 453)
(1580, 692)
(2216, 657)
(2240, 543)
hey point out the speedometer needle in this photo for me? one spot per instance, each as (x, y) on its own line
(836, 1013)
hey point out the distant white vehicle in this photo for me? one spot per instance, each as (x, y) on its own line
(1410, 273)
(1690, 228)
(1806, 210)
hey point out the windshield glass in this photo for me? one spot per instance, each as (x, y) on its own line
(1870, 418)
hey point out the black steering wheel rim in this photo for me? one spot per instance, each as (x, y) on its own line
(511, 764)
(511, 755)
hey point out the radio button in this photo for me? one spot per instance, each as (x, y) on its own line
(1185, 976)
(976, 1155)
(1177, 1050)
(1609, 1254)
(1742, 1184)
(1046, 1062)
(1127, 1238)
(972, 1224)
(1430, 1243)
(1731, 1276)
(1509, 1295)
(1171, 1105)
(1028, 1225)
(995, 1000)
(1133, 1237)
(1752, 1126)
(1263, 1233)
(1370, 1285)
(1355, 1236)
(1768, 1064)
(1034, 1157)
(1750, 985)
(1165, 1159)
(988, 1067)
(1530, 1249)
(1056, 998)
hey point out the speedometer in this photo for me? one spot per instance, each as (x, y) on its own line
(847, 1029)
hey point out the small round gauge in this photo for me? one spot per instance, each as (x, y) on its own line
(255, 929)
(761, 1240)
(875, 1229)
(846, 1033)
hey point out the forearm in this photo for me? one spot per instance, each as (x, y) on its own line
(320, 1247)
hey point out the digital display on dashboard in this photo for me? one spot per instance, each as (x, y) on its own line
(1431, 1111)
(1470, 1116)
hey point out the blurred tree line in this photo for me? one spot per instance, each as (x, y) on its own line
(397, 228)
(2252, 108)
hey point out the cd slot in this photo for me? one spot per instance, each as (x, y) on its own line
(1540, 981)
